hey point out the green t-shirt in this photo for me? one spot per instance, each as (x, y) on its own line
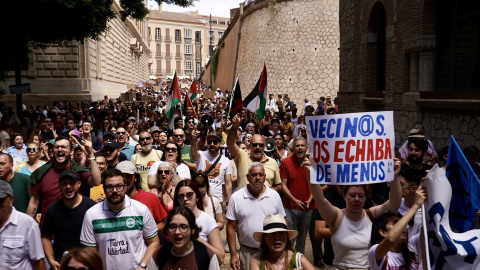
(20, 184)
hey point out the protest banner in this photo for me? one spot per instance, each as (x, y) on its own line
(351, 149)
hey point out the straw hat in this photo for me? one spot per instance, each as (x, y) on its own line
(274, 223)
(415, 133)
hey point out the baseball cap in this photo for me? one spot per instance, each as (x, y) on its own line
(111, 144)
(109, 133)
(5, 189)
(126, 167)
(52, 142)
(68, 174)
(275, 119)
(154, 129)
(214, 134)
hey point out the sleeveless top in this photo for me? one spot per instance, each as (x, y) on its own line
(350, 243)
(292, 265)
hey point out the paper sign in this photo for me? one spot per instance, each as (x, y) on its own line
(351, 149)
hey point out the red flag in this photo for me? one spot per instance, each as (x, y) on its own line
(188, 103)
(192, 94)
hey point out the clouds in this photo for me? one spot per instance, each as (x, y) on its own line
(219, 8)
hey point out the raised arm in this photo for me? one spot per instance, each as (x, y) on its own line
(232, 136)
(330, 213)
(395, 194)
(392, 236)
(193, 145)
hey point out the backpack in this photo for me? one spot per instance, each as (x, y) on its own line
(199, 249)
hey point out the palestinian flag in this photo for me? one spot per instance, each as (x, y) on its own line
(236, 100)
(188, 101)
(193, 90)
(257, 99)
(173, 100)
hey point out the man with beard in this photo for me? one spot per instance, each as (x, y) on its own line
(18, 181)
(134, 191)
(416, 150)
(188, 113)
(297, 199)
(121, 229)
(246, 211)
(124, 146)
(63, 219)
(144, 159)
(221, 172)
(179, 136)
(155, 131)
(111, 152)
(44, 187)
(243, 159)
(70, 126)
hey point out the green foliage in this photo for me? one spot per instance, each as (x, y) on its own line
(182, 3)
(214, 62)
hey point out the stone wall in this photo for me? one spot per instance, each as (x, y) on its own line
(297, 40)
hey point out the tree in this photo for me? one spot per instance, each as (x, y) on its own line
(40, 23)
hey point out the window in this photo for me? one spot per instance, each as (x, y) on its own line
(199, 67)
(198, 36)
(148, 31)
(188, 48)
(458, 43)
(178, 35)
(188, 33)
(188, 65)
(376, 50)
(158, 34)
(220, 34)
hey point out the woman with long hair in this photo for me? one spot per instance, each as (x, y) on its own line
(81, 258)
(211, 204)
(287, 125)
(275, 245)
(187, 194)
(391, 246)
(281, 152)
(351, 227)
(106, 126)
(184, 250)
(33, 162)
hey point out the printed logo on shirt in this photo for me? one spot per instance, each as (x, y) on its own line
(130, 223)
(214, 172)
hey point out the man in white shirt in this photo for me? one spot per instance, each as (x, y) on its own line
(21, 245)
(409, 181)
(246, 210)
(221, 173)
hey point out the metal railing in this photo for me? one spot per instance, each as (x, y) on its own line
(167, 38)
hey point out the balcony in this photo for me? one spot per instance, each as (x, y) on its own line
(158, 38)
(169, 71)
(197, 40)
(188, 72)
(188, 40)
(178, 55)
(158, 54)
(168, 55)
(167, 38)
(149, 38)
(157, 71)
(178, 39)
(188, 56)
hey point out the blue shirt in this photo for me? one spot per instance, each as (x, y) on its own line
(12, 151)
(128, 150)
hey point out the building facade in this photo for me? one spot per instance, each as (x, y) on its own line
(180, 42)
(420, 59)
(88, 71)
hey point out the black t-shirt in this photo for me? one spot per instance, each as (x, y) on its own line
(48, 135)
(65, 225)
(336, 200)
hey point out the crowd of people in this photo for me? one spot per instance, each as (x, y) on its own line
(111, 185)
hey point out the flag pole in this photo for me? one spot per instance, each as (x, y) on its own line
(231, 96)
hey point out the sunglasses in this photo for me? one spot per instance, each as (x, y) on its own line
(32, 149)
(189, 195)
(121, 133)
(190, 122)
(145, 139)
(163, 171)
(170, 149)
(210, 141)
(258, 144)
(178, 135)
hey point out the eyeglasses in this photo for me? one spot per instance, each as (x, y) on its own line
(163, 171)
(178, 135)
(258, 144)
(87, 125)
(189, 196)
(302, 128)
(145, 139)
(249, 136)
(173, 228)
(210, 141)
(119, 188)
(170, 149)
(121, 133)
(190, 122)
(32, 149)
(57, 147)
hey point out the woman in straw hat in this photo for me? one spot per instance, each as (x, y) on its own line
(276, 251)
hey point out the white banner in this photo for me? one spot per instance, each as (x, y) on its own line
(351, 149)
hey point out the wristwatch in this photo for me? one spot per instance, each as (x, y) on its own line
(143, 265)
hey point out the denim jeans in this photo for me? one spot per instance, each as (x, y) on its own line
(300, 221)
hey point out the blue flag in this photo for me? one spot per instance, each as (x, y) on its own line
(465, 189)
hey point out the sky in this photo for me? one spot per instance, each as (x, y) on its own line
(219, 8)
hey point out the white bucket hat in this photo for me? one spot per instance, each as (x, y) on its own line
(274, 223)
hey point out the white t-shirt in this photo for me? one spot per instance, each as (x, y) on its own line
(216, 177)
(207, 224)
(417, 219)
(209, 209)
(182, 170)
(395, 260)
(120, 237)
